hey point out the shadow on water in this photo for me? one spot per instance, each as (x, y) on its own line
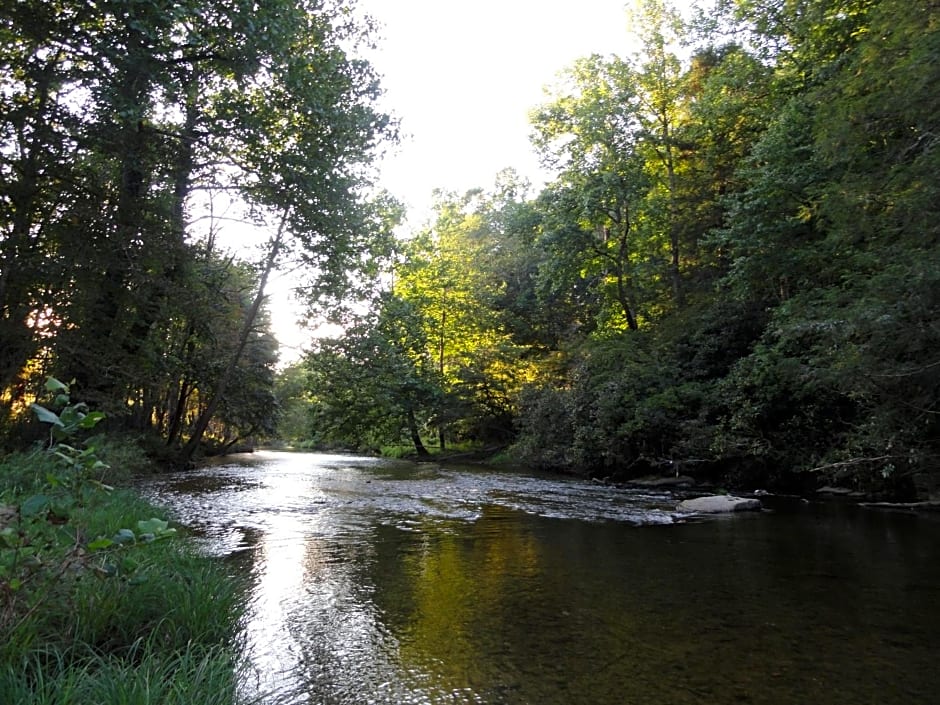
(389, 583)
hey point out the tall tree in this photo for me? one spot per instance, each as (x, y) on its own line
(445, 274)
(590, 133)
(661, 82)
(376, 381)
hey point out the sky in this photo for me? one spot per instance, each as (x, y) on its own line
(461, 77)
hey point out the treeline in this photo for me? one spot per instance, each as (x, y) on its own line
(735, 272)
(131, 135)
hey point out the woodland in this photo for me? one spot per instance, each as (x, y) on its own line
(734, 273)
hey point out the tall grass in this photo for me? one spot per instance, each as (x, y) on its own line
(141, 623)
(190, 676)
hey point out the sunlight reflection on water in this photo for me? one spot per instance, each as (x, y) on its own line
(392, 583)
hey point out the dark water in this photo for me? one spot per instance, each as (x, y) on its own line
(381, 582)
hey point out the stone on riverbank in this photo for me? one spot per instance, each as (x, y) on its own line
(719, 504)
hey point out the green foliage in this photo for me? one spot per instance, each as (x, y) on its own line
(440, 354)
(807, 150)
(46, 538)
(732, 274)
(375, 384)
(294, 404)
(93, 611)
(122, 126)
(732, 271)
(193, 676)
(158, 629)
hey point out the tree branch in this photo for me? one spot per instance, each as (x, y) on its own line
(853, 461)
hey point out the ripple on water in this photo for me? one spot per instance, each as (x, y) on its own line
(390, 583)
(463, 495)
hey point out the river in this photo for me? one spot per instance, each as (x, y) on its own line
(384, 582)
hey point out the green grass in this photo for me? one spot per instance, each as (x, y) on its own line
(397, 451)
(407, 450)
(149, 676)
(134, 623)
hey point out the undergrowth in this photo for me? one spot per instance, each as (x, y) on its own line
(100, 599)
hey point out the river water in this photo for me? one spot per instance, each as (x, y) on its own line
(385, 582)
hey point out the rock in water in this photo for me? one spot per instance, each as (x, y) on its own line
(719, 504)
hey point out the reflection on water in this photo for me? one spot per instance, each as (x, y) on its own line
(380, 582)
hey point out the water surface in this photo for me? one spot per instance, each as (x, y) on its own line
(388, 582)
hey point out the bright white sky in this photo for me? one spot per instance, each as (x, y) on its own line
(462, 77)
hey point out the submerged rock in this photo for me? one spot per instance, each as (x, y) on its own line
(719, 504)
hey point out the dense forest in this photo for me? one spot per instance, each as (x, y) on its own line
(733, 273)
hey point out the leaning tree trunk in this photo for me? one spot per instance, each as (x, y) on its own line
(415, 436)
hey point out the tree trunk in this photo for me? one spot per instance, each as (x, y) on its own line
(441, 348)
(176, 413)
(620, 263)
(415, 436)
(675, 274)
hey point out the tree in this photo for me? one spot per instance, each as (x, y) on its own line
(450, 273)
(376, 381)
(123, 119)
(835, 230)
(730, 102)
(661, 82)
(613, 133)
(295, 405)
(590, 134)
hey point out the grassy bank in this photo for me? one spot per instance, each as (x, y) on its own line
(101, 601)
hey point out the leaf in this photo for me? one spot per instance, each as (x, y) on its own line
(71, 416)
(152, 526)
(67, 534)
(54, 385)
(9, 538)
(91, 419)
(124, 536)
(62, 507)
(35, 505)
(46, 416)
(100, 543)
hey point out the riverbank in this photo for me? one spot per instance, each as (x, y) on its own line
(102, 601)
(801, 486)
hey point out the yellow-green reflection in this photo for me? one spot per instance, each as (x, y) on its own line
(418, 587)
